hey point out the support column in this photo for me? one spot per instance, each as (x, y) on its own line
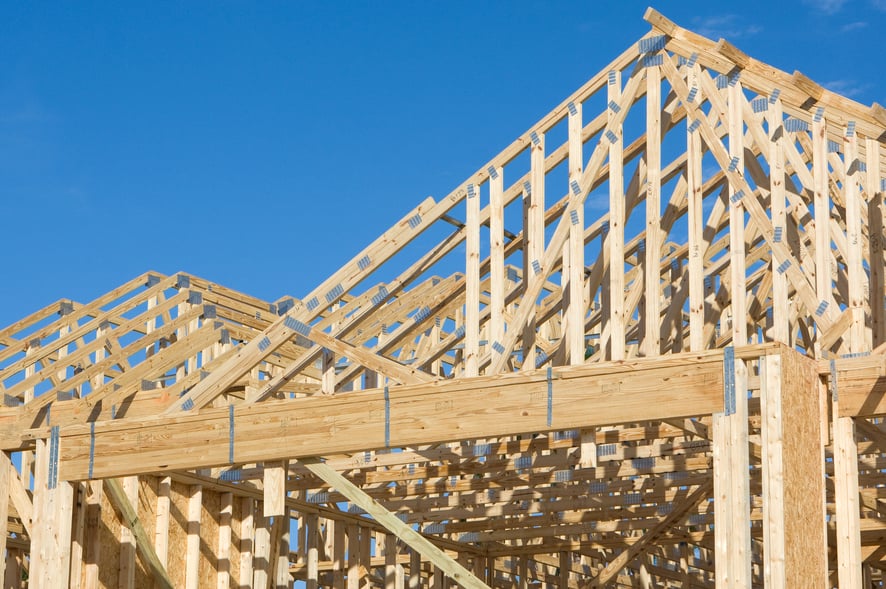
(795, 544)
(472, 282)
(247, 533)
(51, 526)
(616, 235)
(732, 517)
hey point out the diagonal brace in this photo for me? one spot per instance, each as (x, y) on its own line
(631, 552)
(413, 539)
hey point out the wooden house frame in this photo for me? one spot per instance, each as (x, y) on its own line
(502, 390)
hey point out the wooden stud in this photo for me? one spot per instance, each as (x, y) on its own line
(192, 557)
(247, 540)
(616, 224)
(697, 253)
(780, 318)
(223, 568)
(652, 278)
(472, 283)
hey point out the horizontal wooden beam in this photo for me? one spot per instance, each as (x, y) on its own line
(561, 398)
(859, 384)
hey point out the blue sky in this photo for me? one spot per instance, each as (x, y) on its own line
(261, 145)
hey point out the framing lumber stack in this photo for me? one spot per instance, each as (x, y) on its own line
(502, 390)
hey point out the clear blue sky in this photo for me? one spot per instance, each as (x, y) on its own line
(261, 145)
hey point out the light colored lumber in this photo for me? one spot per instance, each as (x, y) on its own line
(409, 536)
(124, 507)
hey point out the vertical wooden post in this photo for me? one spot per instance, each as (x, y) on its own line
(353, 579)
(822, 204)
(312, 522)
(732, 517)
(737, 249)
(93, 535)
(161, 527)
(876, 241)
(652, 276)
(780, 318)
(275, 488)
(575, 292)
(772, 432)
(795, 543)
(616, 224)
(192, 558)
(472, 282)
(564, 567)
(262, 552)
(226, 505)
(854, 256)
(414, 569)
(846, 500)
(247, 542)
(78, 536)
(280, 550)
(533, 238)
(127, 539)
(51, 524)
(339, 537)
(496, 261)
(695, 221)
(13, 577)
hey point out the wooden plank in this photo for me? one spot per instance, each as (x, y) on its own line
(78, 537)
(876, 241)
(247, 540)
(806, 551)
(127, 537)
(496, 261)
(780, 318)
(855, 256)
(731, 489)
(772, 432)
(695, 224)
(576, 304)
(846, 501)
(533, 246)
(652, 271)
(737, 246)
(125, 509)
(223, 567)
(472, 283)
(580, 396)
(409, 536)
(93, 534)
(616, 237)
(192, 556)
(822, 204)
(262, 553)
(312, 523)
(19, 495)
(275, 489)
(161, 525)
